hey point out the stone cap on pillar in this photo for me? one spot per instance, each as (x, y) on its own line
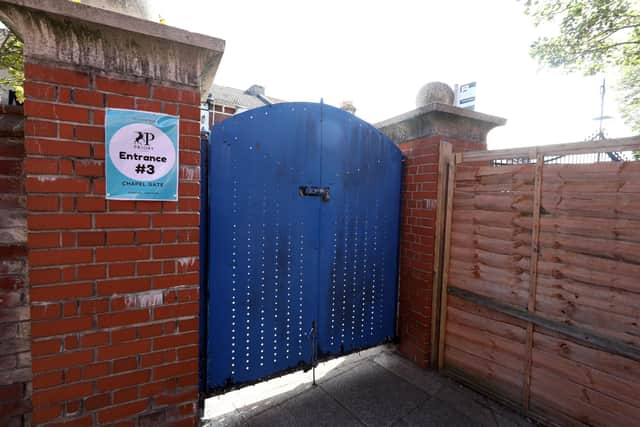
(440, 119)
(56, 31)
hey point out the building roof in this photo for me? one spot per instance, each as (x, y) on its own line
(253, 97)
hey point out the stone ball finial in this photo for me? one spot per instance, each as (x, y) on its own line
(435, 92)
(348, 107)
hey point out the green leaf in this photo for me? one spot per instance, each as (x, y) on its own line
(12, 60)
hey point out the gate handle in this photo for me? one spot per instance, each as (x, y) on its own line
(313, 191)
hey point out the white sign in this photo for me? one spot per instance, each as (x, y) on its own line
(142, 155)
(466, 96)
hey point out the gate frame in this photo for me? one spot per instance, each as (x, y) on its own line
(204, 269)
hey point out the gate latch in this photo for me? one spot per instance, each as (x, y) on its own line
(313, 191)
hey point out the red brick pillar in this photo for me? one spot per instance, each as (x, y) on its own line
(114, 285)
(420, 134)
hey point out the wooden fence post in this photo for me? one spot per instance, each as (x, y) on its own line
(533, 275)
(444, 159)
(451, 182)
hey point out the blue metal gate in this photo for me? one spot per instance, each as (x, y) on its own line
(304, 204)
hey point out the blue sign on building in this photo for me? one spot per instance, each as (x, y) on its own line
(141, 155)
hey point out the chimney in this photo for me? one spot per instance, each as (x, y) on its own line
(348, 107)
(255, 90)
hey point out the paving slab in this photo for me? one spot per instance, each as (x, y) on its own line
(229, 419)
(435, 413)
(483, 410)
(311, 408)
(374, 395)
(427, 380)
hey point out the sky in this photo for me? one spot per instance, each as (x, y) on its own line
(379, 53)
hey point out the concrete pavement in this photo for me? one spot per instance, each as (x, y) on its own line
(376, 387)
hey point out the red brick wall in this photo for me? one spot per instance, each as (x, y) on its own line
(417, 243)
(222, 113)
(15, 357)
(114, 284)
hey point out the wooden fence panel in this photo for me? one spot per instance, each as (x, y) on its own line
(543, 281)
(486, 249)
(563, 378)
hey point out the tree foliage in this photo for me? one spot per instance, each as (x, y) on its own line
(11, 60)
(594, 36)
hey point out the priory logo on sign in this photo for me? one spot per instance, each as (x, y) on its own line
(143, 139)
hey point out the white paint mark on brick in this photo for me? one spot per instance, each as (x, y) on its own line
(189, 173)
(187, 262)
(144, 300)
(429, 204)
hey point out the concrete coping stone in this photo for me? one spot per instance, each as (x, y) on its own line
(440, 119)
(83, 12)
(62, 32)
